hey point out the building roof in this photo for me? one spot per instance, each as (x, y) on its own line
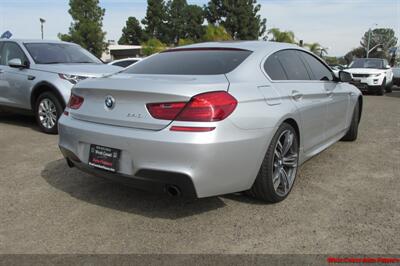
(112, 47)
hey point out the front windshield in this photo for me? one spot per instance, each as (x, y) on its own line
(367, 63)
(60, 53)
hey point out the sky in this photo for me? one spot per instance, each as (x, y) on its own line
(335, 24)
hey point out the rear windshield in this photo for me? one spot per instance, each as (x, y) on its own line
(191, 62)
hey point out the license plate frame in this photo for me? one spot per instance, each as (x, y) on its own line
(104, 158)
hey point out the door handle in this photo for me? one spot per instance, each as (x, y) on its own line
(329, 93)
(1, 71)
(296, 95)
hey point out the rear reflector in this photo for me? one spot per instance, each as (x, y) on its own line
(75, 101)
(205, 107)
(192, 129)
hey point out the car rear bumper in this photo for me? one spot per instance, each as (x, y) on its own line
(145, 179)
(201, 164)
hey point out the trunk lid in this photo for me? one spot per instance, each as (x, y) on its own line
(131, 93)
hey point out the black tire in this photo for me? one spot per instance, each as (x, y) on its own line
(382, 88)
(48, 96)
(389, 87)
(263, 188)
(352, 134)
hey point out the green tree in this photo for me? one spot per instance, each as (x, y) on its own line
(194, 28)
(383, 36)
(332, 60)
(86, 28)
(155, 20)
(358, 52)
(132, 33)
(239, 17)
(185, 42)
(184, 21)
(281, 36)
(152, 46)
(176, 20)
(316, 48)
(216, 33)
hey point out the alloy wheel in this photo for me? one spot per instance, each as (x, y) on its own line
(285, 163)
(47, 113)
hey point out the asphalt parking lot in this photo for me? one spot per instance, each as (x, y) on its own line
(345, 200)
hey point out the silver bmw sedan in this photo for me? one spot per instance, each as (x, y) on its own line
(210, 119)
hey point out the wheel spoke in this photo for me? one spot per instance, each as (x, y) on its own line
(276, 179)
(290, 161)
(284, 180)
(277, 154)
(287, 144)
(42, 107)
(46, 104)
(51, 123)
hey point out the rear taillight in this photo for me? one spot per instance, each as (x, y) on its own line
(205, 107)
(165, 111)
(75, 101)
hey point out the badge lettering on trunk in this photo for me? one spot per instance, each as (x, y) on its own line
(133, 115)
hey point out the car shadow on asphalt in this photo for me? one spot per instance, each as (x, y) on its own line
(243, 198)
(394, 93)
(113, 195)
(27, 121)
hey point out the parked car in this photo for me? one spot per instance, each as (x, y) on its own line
(337, 67)
(125, 62)
(396, 76)
(37, 76)
(372, 75)
(210, 119)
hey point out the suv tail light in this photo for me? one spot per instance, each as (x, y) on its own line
(75, 102)
(205, 107)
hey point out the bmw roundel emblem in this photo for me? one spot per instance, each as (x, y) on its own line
(109, 102)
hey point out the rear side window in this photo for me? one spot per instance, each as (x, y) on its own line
(293, 66)
(209, 61)
(274, 68)
(318, 69)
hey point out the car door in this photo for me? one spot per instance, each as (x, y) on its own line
(338, 97)
(14, 82)
(310, 99)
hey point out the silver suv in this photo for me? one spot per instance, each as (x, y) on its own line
(38, 76)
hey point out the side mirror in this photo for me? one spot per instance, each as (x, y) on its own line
(345, 76)
(387, 67)
(17, 63)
